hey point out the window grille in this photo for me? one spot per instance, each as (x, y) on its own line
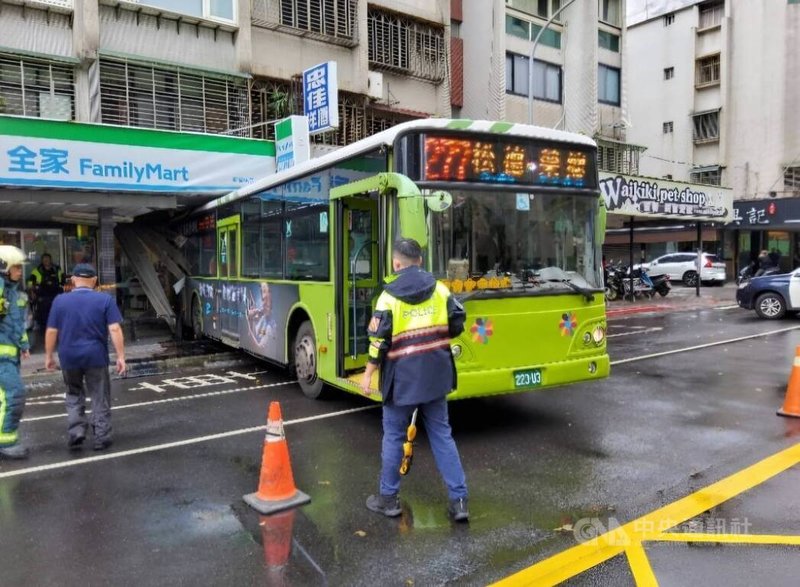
(708, 176)
(407, 46)
(706, 127)
(172, 99)
(707, 70)
(36, 88)
(667, 127)
(328, 20)
(669, 72)
(358, 119)
(791, 178)
(617, 157)
(669, 19)
(711, 15)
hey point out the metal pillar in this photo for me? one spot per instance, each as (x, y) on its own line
(630, 252)
(699, 256)
(105, 250)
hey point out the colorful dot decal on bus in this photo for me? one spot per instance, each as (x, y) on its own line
(482, 330)
(568, 324)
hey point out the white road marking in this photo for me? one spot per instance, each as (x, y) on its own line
(703, 346)
(195, 381)
(167, 445)
(168, 400)
(653, 329)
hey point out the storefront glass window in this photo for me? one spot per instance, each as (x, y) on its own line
(9, 236)
(35, 243)
(778, 242)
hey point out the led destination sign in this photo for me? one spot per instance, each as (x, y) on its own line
(505, 162)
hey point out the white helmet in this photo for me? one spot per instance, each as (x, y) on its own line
(10, 256)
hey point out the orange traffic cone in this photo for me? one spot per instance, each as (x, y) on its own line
(276, 489)
(791, 405)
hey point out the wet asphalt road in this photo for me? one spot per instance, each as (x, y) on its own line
(163, 506)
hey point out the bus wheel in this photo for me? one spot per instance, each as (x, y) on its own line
(197, 319)
(305, 362)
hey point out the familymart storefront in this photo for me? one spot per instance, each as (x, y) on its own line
(64, 186)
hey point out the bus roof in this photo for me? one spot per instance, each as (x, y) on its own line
(387, 137)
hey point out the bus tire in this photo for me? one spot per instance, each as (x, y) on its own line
(305, 362)
(197, 319)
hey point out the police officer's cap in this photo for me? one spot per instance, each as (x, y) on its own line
(408, 248)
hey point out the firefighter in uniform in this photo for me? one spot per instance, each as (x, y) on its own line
(13, 345)
(415, 318)
(44, 284)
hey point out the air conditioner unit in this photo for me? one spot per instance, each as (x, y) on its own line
(375, 85)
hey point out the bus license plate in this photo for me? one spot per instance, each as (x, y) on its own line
(528, 378)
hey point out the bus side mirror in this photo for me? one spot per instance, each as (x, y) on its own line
(411, 210)
(600, 227)
(439, 201)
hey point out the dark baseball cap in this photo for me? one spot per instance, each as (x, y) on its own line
(84, 270)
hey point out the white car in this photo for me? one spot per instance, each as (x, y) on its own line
(683, 267)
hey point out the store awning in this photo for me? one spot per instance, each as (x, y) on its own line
(660, 198)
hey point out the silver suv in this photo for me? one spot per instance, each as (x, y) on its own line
(683, 267)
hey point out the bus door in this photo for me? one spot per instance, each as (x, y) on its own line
(229, 298)
(361, 277)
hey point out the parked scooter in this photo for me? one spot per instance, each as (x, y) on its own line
(751, 270)
(618, 283)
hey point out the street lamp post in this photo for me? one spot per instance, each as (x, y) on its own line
(533, 52)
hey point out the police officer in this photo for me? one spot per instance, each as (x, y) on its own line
(415, 318)
(45, 283)
(13, 345)
(80, 324)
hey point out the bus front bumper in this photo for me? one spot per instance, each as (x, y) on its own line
(531, 378)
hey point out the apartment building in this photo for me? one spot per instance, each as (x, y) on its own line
(715, 101)
(222, 70)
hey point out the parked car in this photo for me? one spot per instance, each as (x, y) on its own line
(771, 296)
(683, 267)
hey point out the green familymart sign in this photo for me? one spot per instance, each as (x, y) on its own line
(70, 155)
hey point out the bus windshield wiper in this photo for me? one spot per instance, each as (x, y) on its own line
(587, 293)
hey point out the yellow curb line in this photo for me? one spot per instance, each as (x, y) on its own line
(577, 559)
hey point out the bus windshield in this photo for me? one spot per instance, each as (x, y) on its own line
(543, 242)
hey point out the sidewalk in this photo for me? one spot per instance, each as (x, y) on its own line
(679, 299)
(150, 349)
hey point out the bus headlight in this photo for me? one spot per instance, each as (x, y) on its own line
(456, 350)
(598, 335)
(587, 338)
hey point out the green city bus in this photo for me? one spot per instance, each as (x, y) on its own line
(510, 217)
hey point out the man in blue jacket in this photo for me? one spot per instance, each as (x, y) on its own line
(81, 322)
(13, 346)
(415, 318)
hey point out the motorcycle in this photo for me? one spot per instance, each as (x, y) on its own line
(751, 270)
(661, 284)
